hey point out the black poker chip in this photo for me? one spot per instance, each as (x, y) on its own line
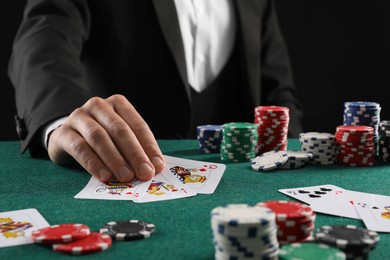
(128, 229)
(354, 241)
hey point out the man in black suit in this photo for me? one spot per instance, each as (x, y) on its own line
(71, 58)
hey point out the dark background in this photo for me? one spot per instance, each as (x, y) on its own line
(340, 51)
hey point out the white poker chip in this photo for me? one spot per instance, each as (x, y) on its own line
(316, 136)
(269, 160)
(298, 155)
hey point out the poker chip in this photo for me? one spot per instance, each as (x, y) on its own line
(209, 138)
(322, 146)
(384, 141)
(128, 230)
(239, 142)
(355, 145)
(294, 220)
(296, 159)
(355, 241)
(244, 231)
(309, 251)
(62, 233)
(362, 113)
(272, 128)
(95, 242)
(269, 160)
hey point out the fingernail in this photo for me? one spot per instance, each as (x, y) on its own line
(124, 172)
(157, 161)
(103, 173)
(145, 169)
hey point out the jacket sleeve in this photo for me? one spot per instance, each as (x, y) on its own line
(45, 66)
(276, 74)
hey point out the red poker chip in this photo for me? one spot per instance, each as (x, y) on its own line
(62, 233)
(287, 210)
(95, 242)
(354, 128)
(272, 108)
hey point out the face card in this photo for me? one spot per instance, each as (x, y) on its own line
(113, 190)
(202, 177)
(16, 226)
(376, 217)
(165, 186)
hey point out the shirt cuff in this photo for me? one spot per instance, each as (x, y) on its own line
(50, 128)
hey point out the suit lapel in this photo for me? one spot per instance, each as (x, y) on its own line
(249, 33)
(169, 22)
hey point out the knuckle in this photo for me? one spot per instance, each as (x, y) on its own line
(76, 113)
(140, 126)
(95, 102)
(90, 163)
(93, 133)
(119, 128)
(78, 147)
(117, 98)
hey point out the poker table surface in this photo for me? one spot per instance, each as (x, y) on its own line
(182, 226)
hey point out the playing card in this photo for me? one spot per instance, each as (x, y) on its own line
(327, 199)
(376, 217)
(333, 200)
(113, 190)
(16, 226)
(165, 186)
(312, 194)
(201, 177)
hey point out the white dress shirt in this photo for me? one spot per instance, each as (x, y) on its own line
(208, 30)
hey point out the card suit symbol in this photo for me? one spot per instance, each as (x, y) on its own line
(174, 190)
(202, 170)
(303, 191)
(129, 193)
(375, 207)
(319, 192)
(325, 189)
(314, 196)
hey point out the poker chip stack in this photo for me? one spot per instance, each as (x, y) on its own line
(384, 141)
(355, 145)
(321, 145)
(355, 241)
(295, 221)
(363, 113)
(317, 251)
(272, 124)
(209, 138)
(238, 142)
(76, 239)
(242, 231)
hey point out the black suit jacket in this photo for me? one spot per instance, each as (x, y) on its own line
(66, 52)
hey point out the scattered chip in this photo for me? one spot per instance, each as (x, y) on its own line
(128, 230)
(62, 233)
(95, 242)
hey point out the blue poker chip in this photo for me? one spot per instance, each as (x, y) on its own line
(362, 104)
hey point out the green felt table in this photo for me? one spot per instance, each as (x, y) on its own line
(182, 226)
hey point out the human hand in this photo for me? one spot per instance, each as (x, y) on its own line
(109, 139)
